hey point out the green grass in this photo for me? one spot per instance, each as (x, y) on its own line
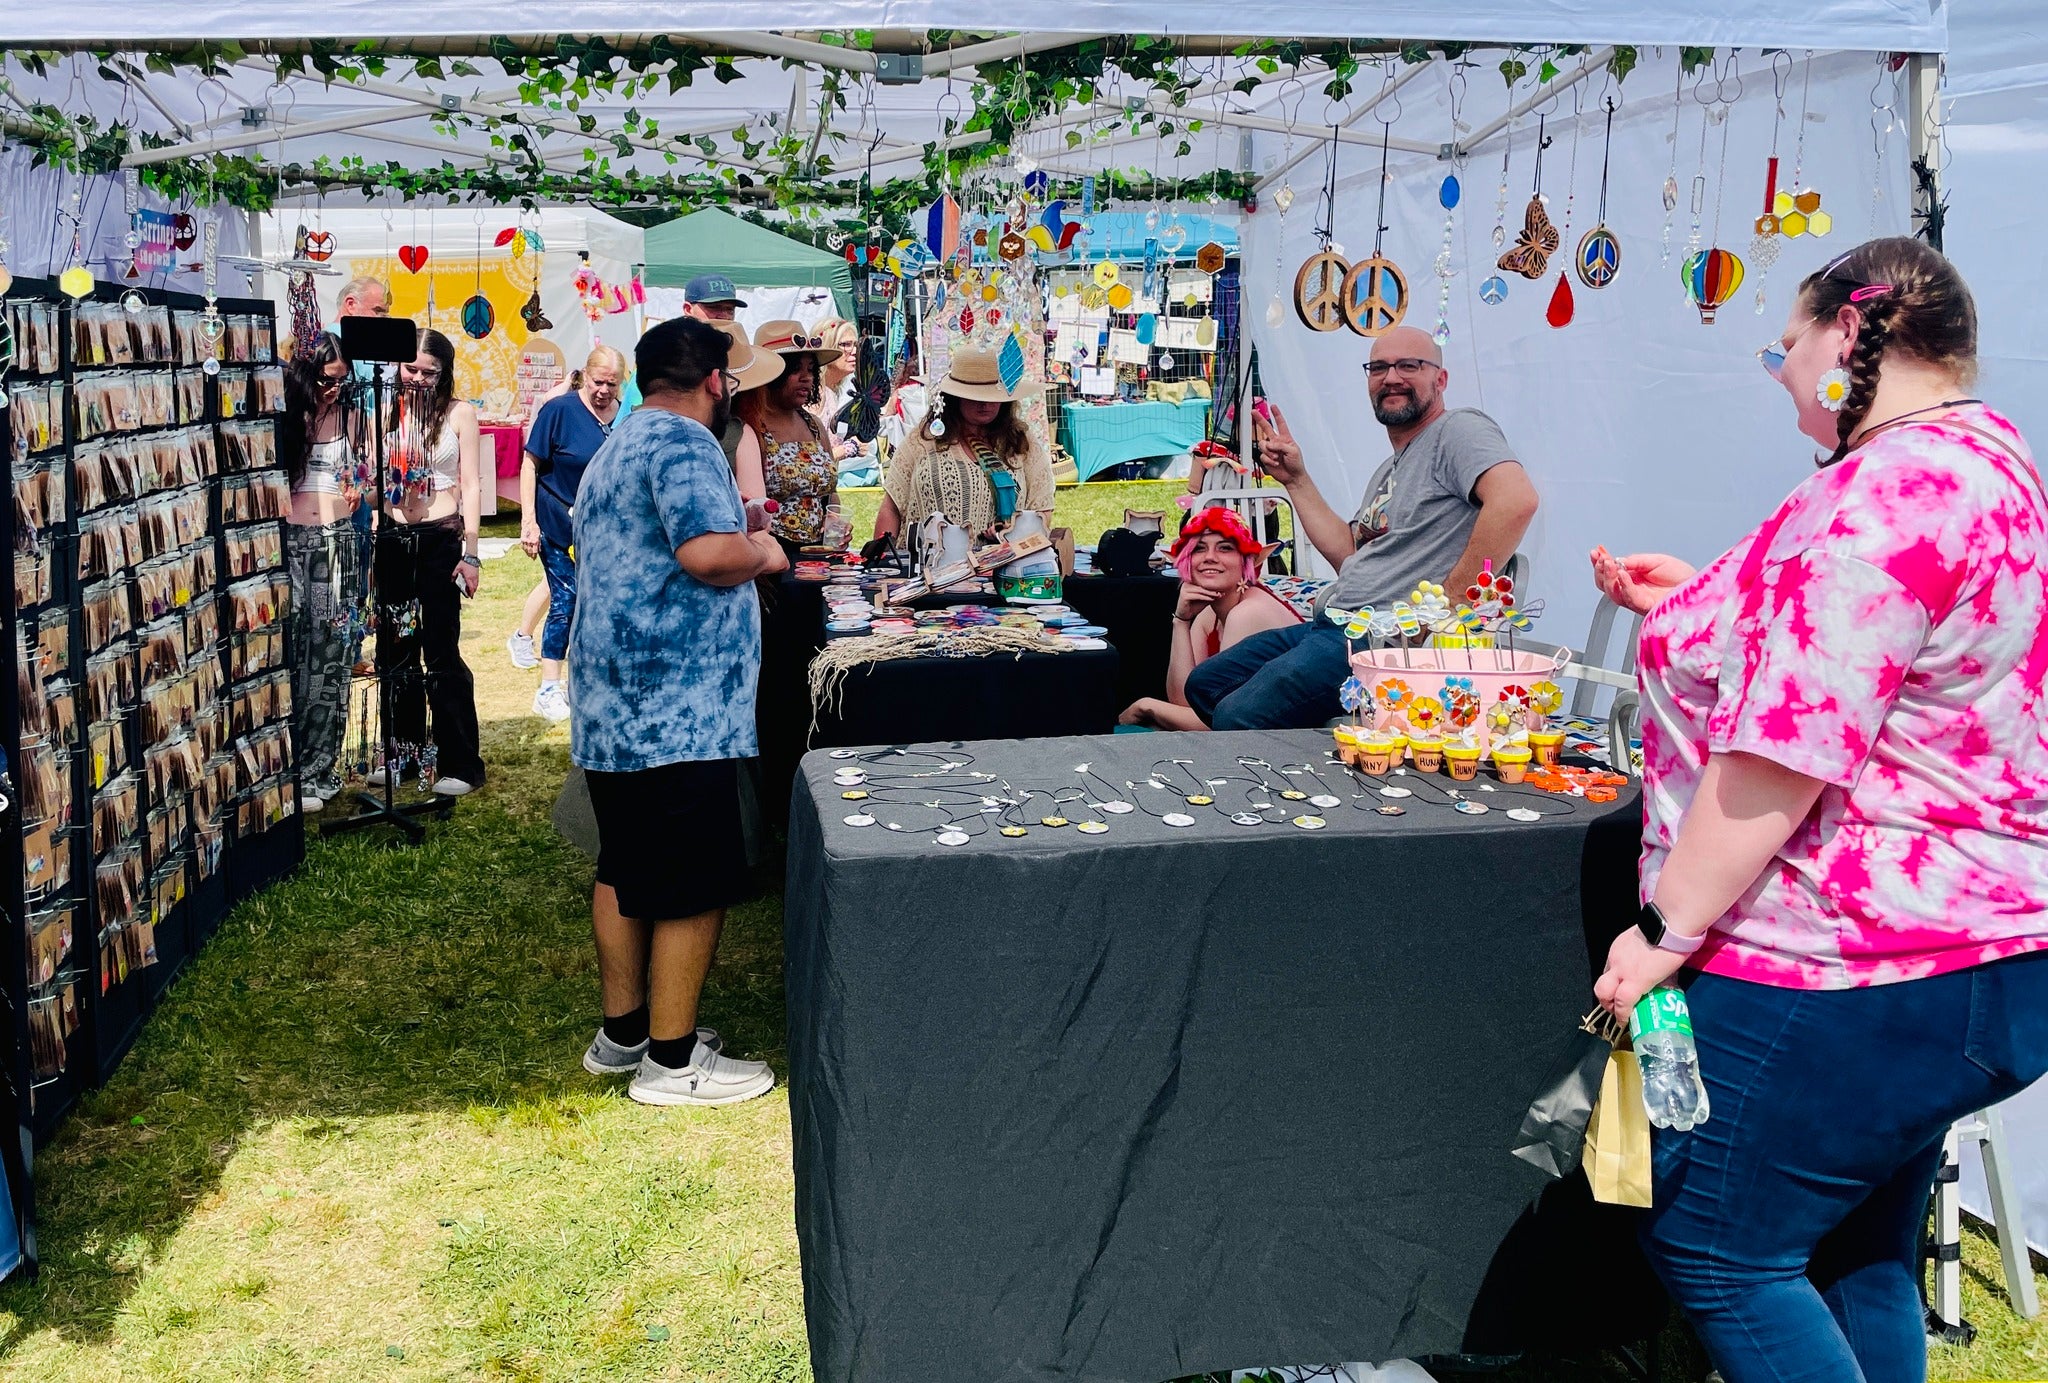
(1089, 510)
(355, 1142)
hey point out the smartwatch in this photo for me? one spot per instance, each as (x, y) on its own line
(1650, 922)
(472, 560)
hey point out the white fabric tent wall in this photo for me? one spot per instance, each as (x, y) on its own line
(1997, 181)
(1642, 429)
(808, 306)
(39, 240)
(615, 248)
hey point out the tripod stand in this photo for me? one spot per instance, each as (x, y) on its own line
(380, 342)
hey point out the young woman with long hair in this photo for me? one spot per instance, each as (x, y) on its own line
(427, 565)
(325, 456)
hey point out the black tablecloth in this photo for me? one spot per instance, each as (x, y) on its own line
(1138, 613)
(994, 696)
(997, 697)
(1135, 1105)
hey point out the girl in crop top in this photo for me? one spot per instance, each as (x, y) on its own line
(321, 441)
(426, 565)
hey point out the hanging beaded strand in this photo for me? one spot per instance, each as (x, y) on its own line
(1763, 248)
(1887, 87)
(1671, 178)
(1699, 178)
(1449, 193)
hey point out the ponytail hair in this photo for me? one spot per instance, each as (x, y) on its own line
(1911, 302)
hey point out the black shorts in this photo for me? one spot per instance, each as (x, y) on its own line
(669, 840)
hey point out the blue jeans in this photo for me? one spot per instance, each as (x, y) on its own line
(561, 574)
(1788, 1225)
(1283, 679)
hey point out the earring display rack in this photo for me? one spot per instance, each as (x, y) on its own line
(148, 741)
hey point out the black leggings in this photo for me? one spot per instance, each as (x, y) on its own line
(416, 562)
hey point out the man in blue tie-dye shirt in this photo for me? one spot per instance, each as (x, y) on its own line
(664, 658)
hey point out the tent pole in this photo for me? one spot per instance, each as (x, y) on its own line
(1591, 63)
(1400, 80)
(938, 64)
(139, 158)
(1924, 88)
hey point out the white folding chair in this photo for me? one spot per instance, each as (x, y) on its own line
(1987, 1130)
(1596, 666)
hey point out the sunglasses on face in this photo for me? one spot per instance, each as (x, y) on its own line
(1772, 357)
(1406, 365)
(328, 382)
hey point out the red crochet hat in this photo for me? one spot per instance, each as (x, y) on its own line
(1223, 521)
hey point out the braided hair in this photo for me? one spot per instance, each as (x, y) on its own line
(1911, 302)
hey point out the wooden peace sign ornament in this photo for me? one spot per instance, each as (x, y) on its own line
(1375, 296)
(1319, 291)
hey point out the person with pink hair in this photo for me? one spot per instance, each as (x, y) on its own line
(1222, 603)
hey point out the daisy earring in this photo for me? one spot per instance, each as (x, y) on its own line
(1833, 389)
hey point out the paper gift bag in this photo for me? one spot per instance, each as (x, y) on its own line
(1553, 1133)
(1618, 1139)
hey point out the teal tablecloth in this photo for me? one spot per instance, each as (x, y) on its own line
(1099, 436)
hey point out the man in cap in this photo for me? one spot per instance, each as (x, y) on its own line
(711, 298)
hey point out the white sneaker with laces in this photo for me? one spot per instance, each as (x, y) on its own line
(520, 646)
(453, 787)
(711, 1078)
(551, 702)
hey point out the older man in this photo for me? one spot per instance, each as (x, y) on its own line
(364, 297)
(1451, 498)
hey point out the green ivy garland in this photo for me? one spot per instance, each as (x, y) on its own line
(782, 170)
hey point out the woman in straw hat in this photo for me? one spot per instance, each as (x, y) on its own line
(797, 462)
(741, 443)
(974, 460)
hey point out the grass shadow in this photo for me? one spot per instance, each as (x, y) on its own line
(450, 979)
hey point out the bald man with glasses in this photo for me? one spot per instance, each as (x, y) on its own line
(1451, 498)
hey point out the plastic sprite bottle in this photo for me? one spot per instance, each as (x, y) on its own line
(1661, 1029)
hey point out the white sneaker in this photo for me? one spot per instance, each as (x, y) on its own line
(310, 803)
(551, 702)
(711, 1078)
(520, 646)
(453, 787)
(605, 1057)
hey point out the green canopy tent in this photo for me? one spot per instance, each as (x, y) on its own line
(717, 242)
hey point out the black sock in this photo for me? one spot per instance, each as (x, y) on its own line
(673, 1052)
(628, 1029)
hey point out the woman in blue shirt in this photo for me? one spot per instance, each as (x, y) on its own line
(565, 435)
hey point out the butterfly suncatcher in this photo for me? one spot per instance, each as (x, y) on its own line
(1530, 255)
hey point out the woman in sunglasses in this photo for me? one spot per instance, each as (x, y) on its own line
(798, 465)
(1845, 744)
(326, 459)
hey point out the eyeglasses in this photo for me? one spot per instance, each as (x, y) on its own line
(1772, 357)
(330, 382)
(1406, 365)
(732, 381)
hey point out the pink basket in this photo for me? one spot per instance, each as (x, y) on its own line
(1425, 671)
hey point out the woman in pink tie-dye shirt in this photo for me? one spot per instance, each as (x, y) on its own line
(1845, 749)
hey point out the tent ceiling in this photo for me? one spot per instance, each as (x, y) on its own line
(883, 129)
(1901, 25)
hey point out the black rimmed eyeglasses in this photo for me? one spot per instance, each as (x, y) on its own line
(1406, 365)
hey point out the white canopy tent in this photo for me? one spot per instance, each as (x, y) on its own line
(1644, 429)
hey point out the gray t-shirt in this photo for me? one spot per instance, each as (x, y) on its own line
(1420, 506)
